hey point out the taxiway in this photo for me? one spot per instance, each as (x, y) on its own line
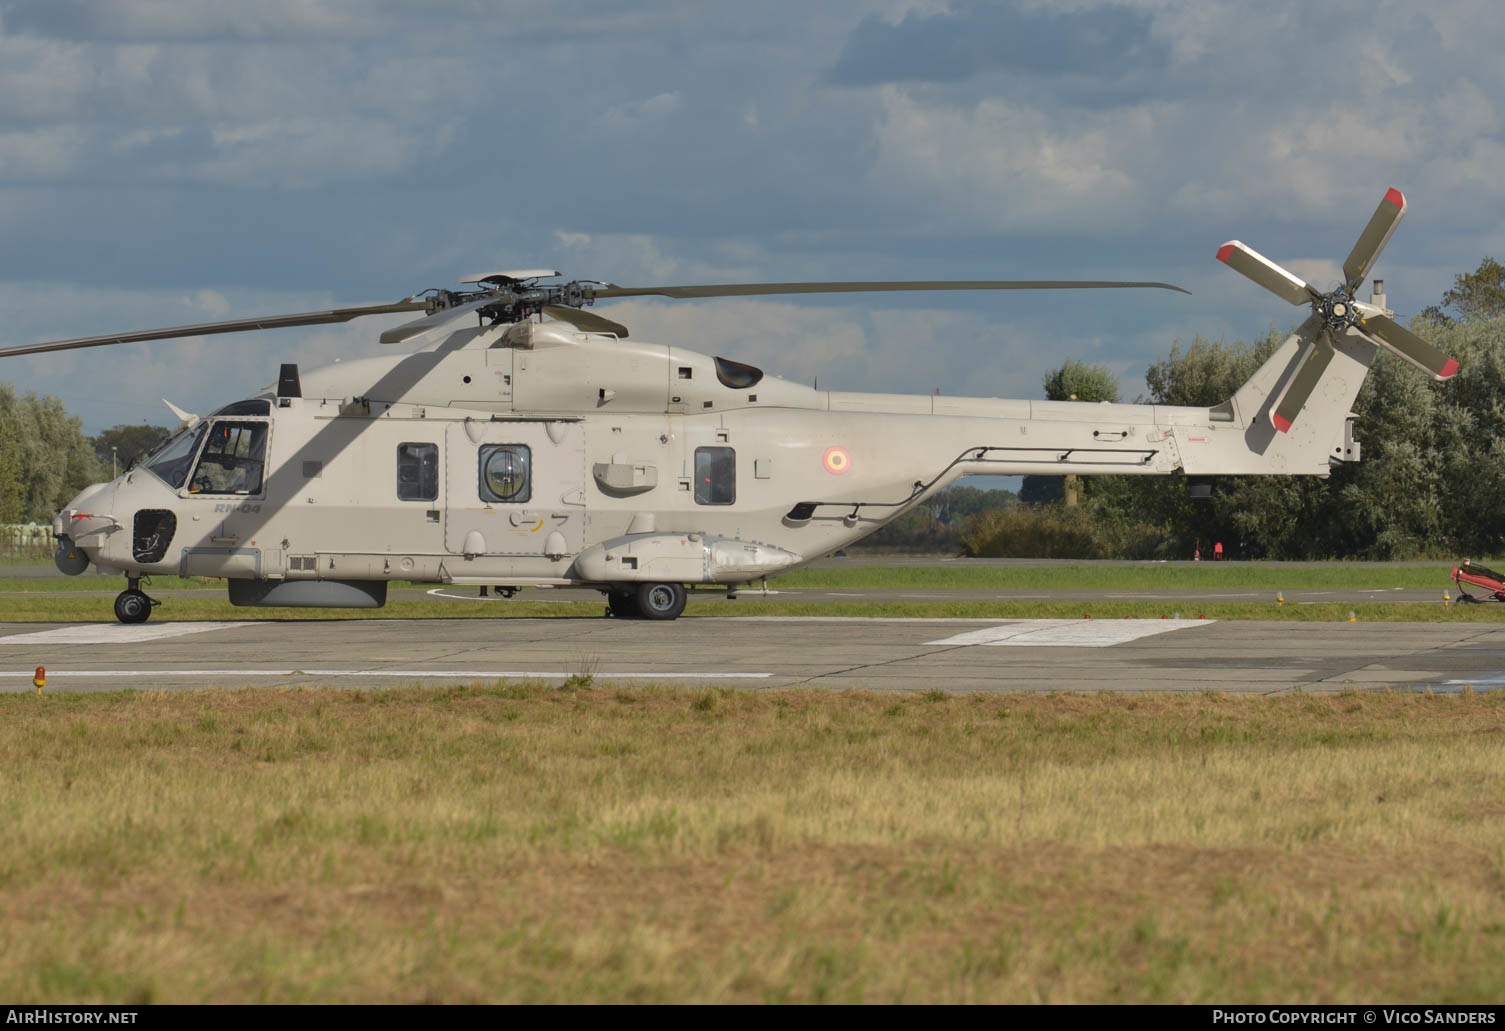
(763, 652)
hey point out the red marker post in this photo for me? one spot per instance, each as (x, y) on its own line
(40, 679)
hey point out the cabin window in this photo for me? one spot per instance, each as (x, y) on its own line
(505, 470)
(232, 459)
(417, 472)
(715, 476)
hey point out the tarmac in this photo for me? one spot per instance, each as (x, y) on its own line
(895, 654)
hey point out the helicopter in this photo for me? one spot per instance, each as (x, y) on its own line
(518, 452)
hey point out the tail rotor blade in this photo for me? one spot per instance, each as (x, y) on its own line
(1265, 272)
(1409, 346)
(1374, 237)
(1300, 386)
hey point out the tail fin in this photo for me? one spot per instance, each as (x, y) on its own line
(1311, 444)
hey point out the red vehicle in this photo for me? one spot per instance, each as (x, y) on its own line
(1467, 572)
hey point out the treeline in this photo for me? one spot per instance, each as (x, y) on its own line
(941, 525)
(1430, 483)
(45, 457)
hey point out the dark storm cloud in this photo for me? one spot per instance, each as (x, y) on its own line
(974, 39)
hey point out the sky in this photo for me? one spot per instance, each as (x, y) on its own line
(179, 161)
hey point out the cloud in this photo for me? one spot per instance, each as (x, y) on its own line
(1006, 167)
(637, 115)
(28, 155)
(291, 154)
(973, 38)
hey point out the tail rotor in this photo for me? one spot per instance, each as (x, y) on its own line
(1336, 312)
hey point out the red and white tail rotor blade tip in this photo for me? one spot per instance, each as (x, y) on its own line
(1384, 330)
(1249, 262)
(1300, 387)
(1366, 250)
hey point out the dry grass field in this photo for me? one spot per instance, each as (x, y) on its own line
(602, 844)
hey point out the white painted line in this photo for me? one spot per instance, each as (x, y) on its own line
(1069, 633)
(114, 633)
(413, 673)
(858, 619)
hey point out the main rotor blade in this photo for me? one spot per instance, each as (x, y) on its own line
(1374, 237)
(1308, 374)
(397, 334)
(756, 289)
(1409, 346)
(1245, 259)
(308, 318)
(586, 320)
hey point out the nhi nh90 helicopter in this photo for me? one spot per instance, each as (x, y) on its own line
(514, 452)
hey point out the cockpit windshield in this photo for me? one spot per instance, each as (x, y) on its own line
(173, 458)
(232, 459)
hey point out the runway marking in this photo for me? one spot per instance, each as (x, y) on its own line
(1069, 633)
(114, 633)
(855, 619)
(471, 674)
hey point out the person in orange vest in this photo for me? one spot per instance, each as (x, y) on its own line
(1217, 552)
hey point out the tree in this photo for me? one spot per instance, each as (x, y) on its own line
(1479, 294)
(1074, 381)
(55, 458)
(1078, 381)
(12, 487)
(123, 445)
(1208, 372)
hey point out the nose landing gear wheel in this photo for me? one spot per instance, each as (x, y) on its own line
(660, 601)
(133, 606)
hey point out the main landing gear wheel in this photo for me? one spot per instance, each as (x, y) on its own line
(133, 606)
(660, 601)
(622, 605)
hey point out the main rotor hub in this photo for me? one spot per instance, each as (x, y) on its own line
(1337, 310)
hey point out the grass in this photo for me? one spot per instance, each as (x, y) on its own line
(73, 609)
(519, 843)
(1273, 577)
(94, 582)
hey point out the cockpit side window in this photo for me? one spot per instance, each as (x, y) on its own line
(173, 458)
(232, 460)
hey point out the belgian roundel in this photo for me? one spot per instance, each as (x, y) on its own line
(837, 460)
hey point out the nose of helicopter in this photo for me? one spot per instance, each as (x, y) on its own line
(82, 525)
